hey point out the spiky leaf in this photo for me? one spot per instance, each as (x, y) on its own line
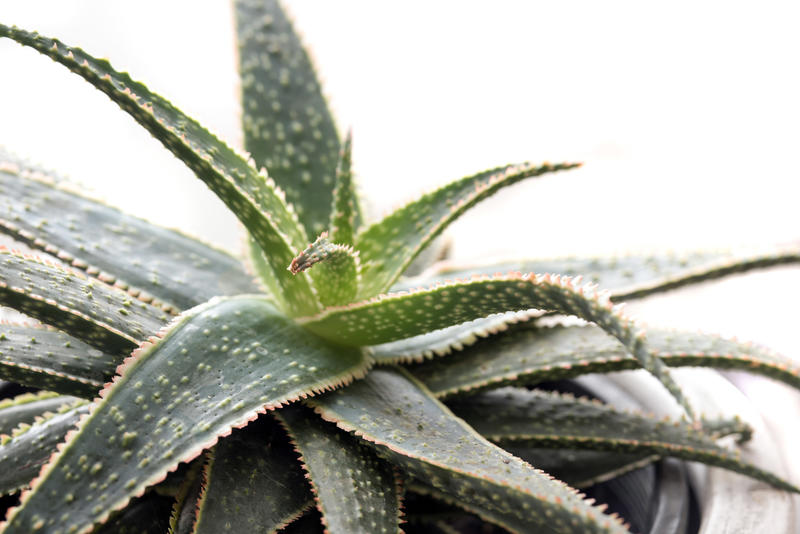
(29, 447)
(308, 523)
(46, 358)
(335, 272)
(388, 246)
(526, 355)
(104, 317)
(356, 491)
(345, 199)
(549, 419)
(253, 483)
(45, 212)
(396, 316)
(287, 125)
(627, 277)
(409, 426)
(216, 368)
(27, 407)
(250, 195)
(146, 515)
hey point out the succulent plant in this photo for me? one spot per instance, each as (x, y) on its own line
(318, 386)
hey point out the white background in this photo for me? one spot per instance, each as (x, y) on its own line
(686, 115)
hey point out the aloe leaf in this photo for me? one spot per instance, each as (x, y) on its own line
(356, 492)
(191, 491)
(216, 368)
(447, 340)
(580, 468)
(253, 483)
(251, 196)
(530, 355)
(416, 432)
(287, 125)
(562, 421)
(345, 198)
(627, 277)
(30, 446)
(104, 317)
(388, 246)
(335, 272)
(45, 212)
(27, 407)
(397, 316)
(45, 358)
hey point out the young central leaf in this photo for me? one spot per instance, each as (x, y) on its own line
(335, 272)
(218, 367)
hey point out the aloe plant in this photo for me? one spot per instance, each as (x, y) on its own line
(313, 386)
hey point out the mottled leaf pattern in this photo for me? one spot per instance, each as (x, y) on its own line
(285, 118)
(388, 246)
(356, 492)
(27, 407)
(45, 212)
(215, 369)
(396, 316)
(254, 483)
(30, 446)
(345, 198)
(335, 270)
(103, 316)
(46, 358)
(407, 425)
(252, 197)
(526, 355)
(542, 418)
(627, 277)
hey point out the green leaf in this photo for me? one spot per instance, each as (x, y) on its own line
(191, 491)
(627, 277)
(254, 483)
(397, 316)
(45, 212)
(251, 196)
(30, 446)
(580, 468)
(540, 418)
(388, 246)
(217, 368)
(27, 407)
(356, 492)
(104, 317)
(335, 272)
(527, 355)
(415, 431)
(45, 358)
(345, 198)
(308, 523)
(287, 125)
(147, 515)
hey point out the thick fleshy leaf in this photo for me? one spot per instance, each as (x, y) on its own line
(526, 355)
(409, 426)
(287, 125)
(388, 246)
(253, 483)
(356, 491)
(627, 277)
(580, 468)
(251, 196)
(308, 523)
(45, 358)
(562, 421)
(447, 340)
(105, 317)
(402, 315)
(27, 407)
(335, 270)
(29, 447)
(216, 368)
(45, 212)
(345, 198)
(191, 490)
